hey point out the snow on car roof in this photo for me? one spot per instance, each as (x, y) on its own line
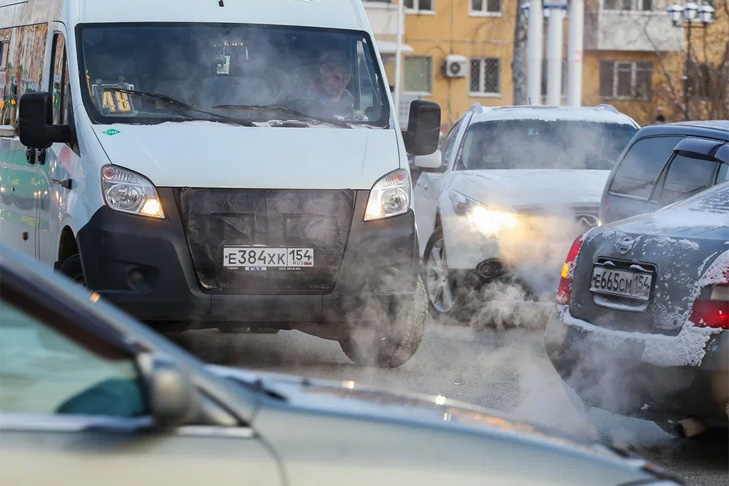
(714, 124)
(596, 114)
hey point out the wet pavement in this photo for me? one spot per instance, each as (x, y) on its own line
(506, 370)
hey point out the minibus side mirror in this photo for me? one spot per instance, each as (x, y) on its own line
(423, 133)
(35, 122)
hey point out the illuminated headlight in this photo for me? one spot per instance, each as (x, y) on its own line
(490, 222)
(390, 196)
(129, 192)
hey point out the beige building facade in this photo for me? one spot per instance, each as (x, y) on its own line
(459, 52)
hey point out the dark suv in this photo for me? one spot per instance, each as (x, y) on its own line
(664, 164)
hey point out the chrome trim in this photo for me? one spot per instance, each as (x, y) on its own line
(31, 422)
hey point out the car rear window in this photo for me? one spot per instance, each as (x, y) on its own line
(687, 176)
(641, 166)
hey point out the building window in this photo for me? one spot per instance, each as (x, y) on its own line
(629, 5)
(419, 74)
(419, 5)
(627, 80)
(485, 76)
(485, 7)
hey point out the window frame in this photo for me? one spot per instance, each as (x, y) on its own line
(484, 12)
(430, 76)
(657, 180)
(482, 78)
(634, 7)
(634, 96)
(416, 9)
(57, 35)
(660, 184)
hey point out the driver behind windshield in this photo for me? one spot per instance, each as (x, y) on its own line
(328, 86)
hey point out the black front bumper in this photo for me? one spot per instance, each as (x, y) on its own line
(616, 379)
(145, 266)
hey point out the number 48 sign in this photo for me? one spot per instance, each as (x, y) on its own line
(112, 101)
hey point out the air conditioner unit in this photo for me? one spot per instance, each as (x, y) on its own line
(456, 66)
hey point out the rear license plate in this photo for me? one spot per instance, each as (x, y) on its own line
(258, 259)
(621, 283)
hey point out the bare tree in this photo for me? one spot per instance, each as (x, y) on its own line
(518, 62)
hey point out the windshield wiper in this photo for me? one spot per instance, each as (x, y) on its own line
(174, 102)
(284, 109)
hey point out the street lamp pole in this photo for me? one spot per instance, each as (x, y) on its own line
(684, 16)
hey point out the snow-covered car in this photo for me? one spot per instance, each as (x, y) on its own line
(508, 191)
(664, 164)
(642, 321)
(88, 396)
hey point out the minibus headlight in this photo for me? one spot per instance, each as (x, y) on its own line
(129, 192)
(390, 196)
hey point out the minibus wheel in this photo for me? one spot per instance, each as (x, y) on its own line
(392, 341)
(73, 269)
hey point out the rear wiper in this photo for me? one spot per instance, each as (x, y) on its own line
(284, 109)
(172, 101)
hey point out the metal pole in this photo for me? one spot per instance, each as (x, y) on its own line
(554, 56)
(575, 52)
(535, 46)
(687, 110)
(398, 56)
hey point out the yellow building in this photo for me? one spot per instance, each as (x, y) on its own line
(459, 52)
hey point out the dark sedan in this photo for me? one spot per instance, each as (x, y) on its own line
(642, 321)
(664, 164)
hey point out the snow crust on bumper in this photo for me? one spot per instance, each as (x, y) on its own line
(688, 348)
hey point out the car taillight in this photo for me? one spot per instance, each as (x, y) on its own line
(714, 311)
(565, 283)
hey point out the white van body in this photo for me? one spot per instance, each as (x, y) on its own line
(203, 169)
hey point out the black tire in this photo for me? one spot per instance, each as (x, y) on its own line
(73, 269)
(392, 343)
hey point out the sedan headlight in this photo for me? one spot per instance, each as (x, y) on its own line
(390, 196)
(129, 192)
(488, 221)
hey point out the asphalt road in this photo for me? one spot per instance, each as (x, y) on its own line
(505, 370)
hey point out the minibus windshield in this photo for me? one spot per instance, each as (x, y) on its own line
(247, 74)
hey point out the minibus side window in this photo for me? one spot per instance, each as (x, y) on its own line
(58, 79)
(24, 70)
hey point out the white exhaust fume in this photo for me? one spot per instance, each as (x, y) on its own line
(575, 52)
(535, 46)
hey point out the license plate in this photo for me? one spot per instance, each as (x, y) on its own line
(621, 283)
(258, 259)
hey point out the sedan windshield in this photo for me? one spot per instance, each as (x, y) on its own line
(251, 75)
(539, 144)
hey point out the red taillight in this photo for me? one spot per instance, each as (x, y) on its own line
(565, 282)
(714, 311)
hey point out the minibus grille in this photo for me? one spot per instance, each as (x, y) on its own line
(215, 219)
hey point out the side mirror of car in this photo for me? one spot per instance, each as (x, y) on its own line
(429, 162)
(423, 133)
(35, 122)
(173, 399)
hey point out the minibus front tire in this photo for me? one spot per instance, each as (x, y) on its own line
(392, 343)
